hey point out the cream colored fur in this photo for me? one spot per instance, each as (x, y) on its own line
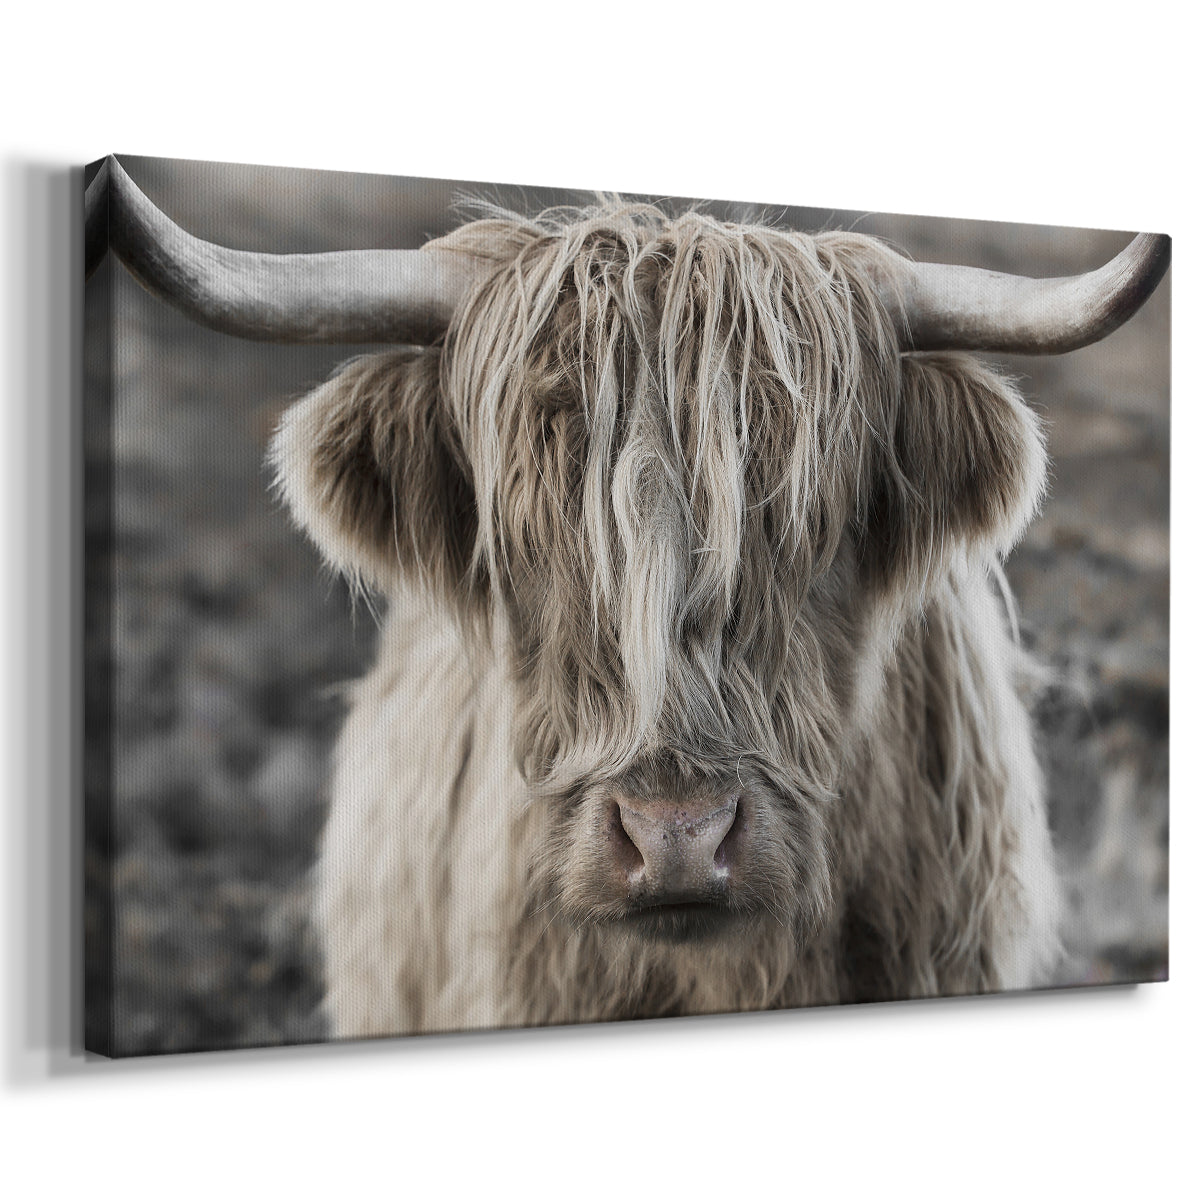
(667, 507)
(419, 883)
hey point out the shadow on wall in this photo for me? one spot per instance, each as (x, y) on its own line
(230, 644)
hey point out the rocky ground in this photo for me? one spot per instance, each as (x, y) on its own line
(227, 643)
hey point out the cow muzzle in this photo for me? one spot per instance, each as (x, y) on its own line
(675, 860)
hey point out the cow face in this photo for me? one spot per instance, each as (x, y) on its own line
(681, 475)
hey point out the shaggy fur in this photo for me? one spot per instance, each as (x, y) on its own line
(668, 513)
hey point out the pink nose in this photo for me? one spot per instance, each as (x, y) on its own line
(676, 853)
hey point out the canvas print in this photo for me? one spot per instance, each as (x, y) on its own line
(513, 606)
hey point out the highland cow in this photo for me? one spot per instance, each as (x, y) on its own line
(699, 689)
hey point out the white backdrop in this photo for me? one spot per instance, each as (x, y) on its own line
(1015, 114)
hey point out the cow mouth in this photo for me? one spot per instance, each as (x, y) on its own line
(681, 921)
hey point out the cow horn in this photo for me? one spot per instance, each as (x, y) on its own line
(408, 296)
(95, 222)
(939, 307)
(404, 296)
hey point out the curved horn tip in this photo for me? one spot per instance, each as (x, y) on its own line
(965, 308)
(335, 297)
(95, 219)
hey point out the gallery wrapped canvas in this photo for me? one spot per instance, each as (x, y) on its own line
(510, 606)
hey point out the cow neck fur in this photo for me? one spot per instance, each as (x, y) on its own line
(942, 874)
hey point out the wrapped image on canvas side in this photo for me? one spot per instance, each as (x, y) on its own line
(219, 647)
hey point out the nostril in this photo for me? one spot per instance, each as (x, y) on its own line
(676, 850)
(625, 851)
(727, 852)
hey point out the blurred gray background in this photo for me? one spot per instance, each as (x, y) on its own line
(216, 643)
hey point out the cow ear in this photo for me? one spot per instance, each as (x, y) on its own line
(963, 470)
(367, 463)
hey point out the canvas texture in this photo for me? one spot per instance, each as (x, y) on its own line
(607, 613)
